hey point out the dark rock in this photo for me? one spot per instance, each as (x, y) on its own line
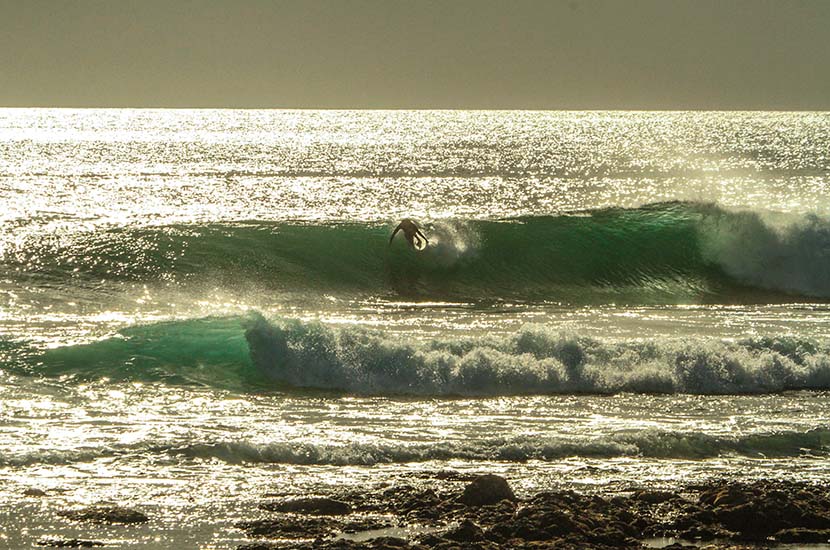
(452, 475)
(731, 495)
(803, 535)
(33, 492)
(467, 531)
(415, 503)
(320, 506)
(365, 524)
(756, 511)
(703, 533)
(431, 539)
(105, 514)
(261, 546)
(382, 543)
(611, 537)
(69, 543)
(487, 489)
(288, 527)
(654, 497)
(749, 513)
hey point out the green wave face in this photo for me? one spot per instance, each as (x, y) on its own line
(661, 253)
(210, 351)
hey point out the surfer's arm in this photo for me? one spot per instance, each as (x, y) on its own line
(395, 232)
(420, 234)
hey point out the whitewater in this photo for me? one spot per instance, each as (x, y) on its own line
(201, 307)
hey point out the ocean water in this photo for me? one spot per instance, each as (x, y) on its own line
(200, 308)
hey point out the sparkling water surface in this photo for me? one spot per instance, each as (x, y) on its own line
(197, 458)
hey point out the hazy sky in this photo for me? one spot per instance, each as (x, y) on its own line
(594, 54)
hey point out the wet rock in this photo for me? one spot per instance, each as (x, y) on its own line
(654, 497)
(762, 518)
(34, 492)
(380, 543)
(365, 524)
(320, 506)
(452, 475)
(288, 527)
(731, 513)
(106, 514)
(467, 531)
(798, 534)
(614, 538)
(731, 495)
(261, 546)
(415, 503)
(488, 516)
(69, 543)
(704, 533)
(487, 489)
(384, 543)
(756, 511)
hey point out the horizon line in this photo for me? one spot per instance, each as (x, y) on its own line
(487, 109)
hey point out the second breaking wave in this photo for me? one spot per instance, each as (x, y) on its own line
(251, 353)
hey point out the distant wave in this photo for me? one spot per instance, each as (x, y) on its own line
(647, 443)
(253, 353)
(678, 252)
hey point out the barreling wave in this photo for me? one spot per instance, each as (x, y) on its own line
(252, 353)
(678, 252)
(656, 444)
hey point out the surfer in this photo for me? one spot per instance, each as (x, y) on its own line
(414, 236)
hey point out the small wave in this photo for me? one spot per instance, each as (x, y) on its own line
(653, 444)
(55, 457)
(677, 252)
(648, 444)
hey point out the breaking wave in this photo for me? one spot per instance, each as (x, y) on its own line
(675, 252)
(252, 353)
(648, 444)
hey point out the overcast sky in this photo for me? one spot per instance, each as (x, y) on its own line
(511, 54)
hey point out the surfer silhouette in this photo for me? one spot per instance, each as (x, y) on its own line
(414, 236)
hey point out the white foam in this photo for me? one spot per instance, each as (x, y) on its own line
(789, 253)
(535, 360)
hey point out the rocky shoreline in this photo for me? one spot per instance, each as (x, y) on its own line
(487, 515)
(454, 512)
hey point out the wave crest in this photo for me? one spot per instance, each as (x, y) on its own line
(677, 252)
